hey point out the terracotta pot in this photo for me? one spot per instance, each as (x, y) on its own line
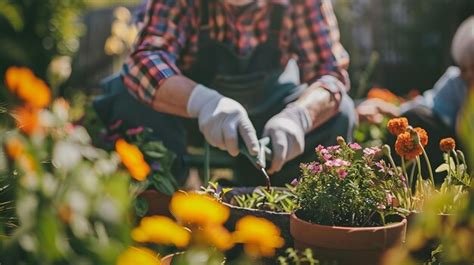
(347, 245)
(282, 220)
(158, 203)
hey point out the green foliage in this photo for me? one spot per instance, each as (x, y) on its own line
(275, 199)
(295, 257)
(342, 187)
(440, 239)
(33, 32)
(71, 203)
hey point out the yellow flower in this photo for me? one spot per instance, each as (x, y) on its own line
(214, 235)
(133, 159)
(138, 256)
(198, 209)
(14, 148)
(259, 236)
(32, 90)
(161, 230)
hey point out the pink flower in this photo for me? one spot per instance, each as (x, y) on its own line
(371, 151)
(327, 156)
(115, 125)
(355, 146)
(294, 182)
(314, 167)
(342, 174)
(319, 148)
(334, 148)
(337, 163)
(135, 131)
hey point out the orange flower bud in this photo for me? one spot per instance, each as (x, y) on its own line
(447, 144)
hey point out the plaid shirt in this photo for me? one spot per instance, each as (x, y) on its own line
(168, 40)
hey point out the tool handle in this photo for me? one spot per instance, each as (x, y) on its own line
(264, 154)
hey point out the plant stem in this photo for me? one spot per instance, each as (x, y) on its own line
(447, 159)
(420, 178)
(457, 162)
(393, 164)
(404, 169)
(428, 164)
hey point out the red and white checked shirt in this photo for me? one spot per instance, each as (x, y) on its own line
(168, 40)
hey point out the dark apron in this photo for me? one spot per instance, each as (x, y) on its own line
(254, 80)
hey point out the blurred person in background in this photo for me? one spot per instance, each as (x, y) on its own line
(438, 108)
(238, 70)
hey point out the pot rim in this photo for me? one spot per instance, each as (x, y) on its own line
(345, 228)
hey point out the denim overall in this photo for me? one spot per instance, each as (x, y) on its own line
(258, 81)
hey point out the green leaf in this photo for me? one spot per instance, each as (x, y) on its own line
(141, 206)
(442, 168)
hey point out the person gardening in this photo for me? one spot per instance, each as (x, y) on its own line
(438, 108)
(239, 70)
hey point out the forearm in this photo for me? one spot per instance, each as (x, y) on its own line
(173, 95)
(321, 104)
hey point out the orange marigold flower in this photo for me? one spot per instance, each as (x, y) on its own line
(259, 236)
(27, 120)
(198, 209)
(422, 135)
(133, 159)
(406, 146)
(14, 148)
(161, 230)
(383, 94)
(138, 255)
(447, 144)
(397, 126)
(28, 87)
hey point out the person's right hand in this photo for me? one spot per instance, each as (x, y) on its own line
(374, 110)
(221, 120)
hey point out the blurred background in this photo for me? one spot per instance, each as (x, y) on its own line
(402, 45)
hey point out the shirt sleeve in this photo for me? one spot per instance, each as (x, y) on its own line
(165, 30)
(321, 56)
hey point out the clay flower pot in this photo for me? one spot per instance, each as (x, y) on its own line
(158, 203)
(346, 245)
(282, 220)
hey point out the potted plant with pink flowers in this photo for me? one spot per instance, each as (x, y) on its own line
(346, 210)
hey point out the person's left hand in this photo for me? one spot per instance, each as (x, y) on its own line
(287, 131)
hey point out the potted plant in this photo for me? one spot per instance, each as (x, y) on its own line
(274, 204)
(153, 192)
(346, 210)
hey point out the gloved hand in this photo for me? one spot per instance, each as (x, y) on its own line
(287, 131)
(221, 120)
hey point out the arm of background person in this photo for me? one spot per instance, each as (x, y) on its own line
(322, 59)
(150, 72)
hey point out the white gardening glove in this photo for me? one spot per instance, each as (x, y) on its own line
(287, 131)
(221, 120)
